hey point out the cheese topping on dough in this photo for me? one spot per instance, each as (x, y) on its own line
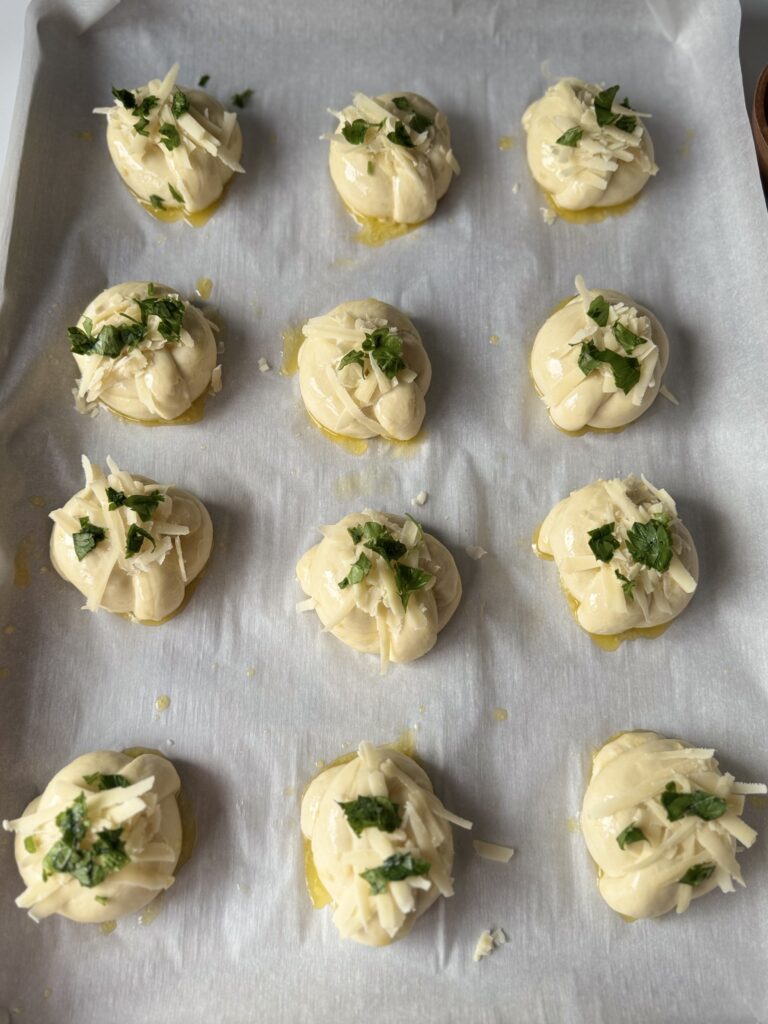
(133, 551)
(604, 155)
(400, 165)
(159, 371)
(173, 152)
(407, 857)
(601, 397)
(131, 801)
(663, 824)
(381, 585)
(363, 371)
(648, 568)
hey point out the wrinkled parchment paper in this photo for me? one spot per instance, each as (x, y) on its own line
(258, 695)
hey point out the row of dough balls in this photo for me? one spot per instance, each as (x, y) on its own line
(660, 820)
(390, 156)
(147, 355)
(135, 547)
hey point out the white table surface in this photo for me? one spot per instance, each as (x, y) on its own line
(753, 50)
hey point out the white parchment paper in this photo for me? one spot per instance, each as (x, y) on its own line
(258, 695)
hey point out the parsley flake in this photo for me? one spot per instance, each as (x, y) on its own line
(400, 136)
(175, 193)
(650, 544)
(696, 874)
(87, 537)
(134, 539)
(631, 834)
(30, 844)
(204, 80)
(570, 137)
(599, 310)
(419, 123)
(355, 132)
(240, 99)
(371, 812)
(124, 96)
(355, 355)
(158, 203)
(626, 338)
(698, 804)
(394, 869)
(101, 781)
(401, 103)
(627, 585)
(408, 579)
(602, 542)
(626, 369)
(180, 103)
(144, 505)
(90, 867)
(604, 112)
(357, 572)
(169, 136)
(386, 349)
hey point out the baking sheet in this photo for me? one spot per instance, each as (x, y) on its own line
(258, 695)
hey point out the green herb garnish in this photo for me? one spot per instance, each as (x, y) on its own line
(419, 123)
(356, 131)
(112, 340)
(408, 579)
(377, 538)
(90, 867)
(370, 166)
(176, 195)
(141, 112)
(394, 869)
(134, 539)
(602, 542)
(30, 844)
(204, 79)
(158, 203)
(87, 537)
(400, 136)
(627, 585)
(103, 900)
(631, 834)
(570, 137)
(401, 103)
(699, 804)
(144, 505)
(599, 310)
(626, 338)
(357, 572)
(604, 113)
(626, 369)
(372, 812)
(124, 96)
(355, 355)
(240, 99)
(386, 349)
(169, 136)
(697, 874)
(101, 781)
(180, 103)
(650, 544)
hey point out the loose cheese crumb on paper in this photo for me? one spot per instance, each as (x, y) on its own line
(420, 499)
(547, 215)
(475, 551)
(487, 942)
(492, 851)
(664, 390)
(264, 365)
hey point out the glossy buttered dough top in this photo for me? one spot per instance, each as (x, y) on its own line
(378, 392)
(150, 584)
(143, 807)
(605, 167)
(381, 178)
(399, 605)
(598, 398)
(193, 152)
(423, 831)
(643, 848)
(159, 378)
(622, 592)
